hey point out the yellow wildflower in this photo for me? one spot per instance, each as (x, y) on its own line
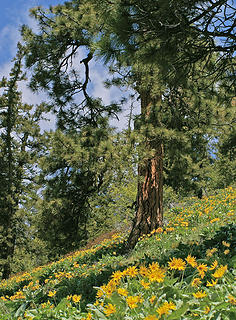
(109, 309)
(226, 244)
(196, 282)
(146, 285)
(191, 260)
(207, 309)
(169, 229)
(143, 271)
(76, 298)
(157, 275)
(210, 252)
(151, 317)
(97, 302)
(177, 264)
(200, 294)
(212, 283)
(99, 294)
(109, 288)
(231, 299)
(154, 266)
(117, 276)
(152, 299)
(3, 298)
(226, 251)
(122, 292)
(131, 271)
(132, 301)
(202, 268)
(19, 295)
(89, 316)
(165, 308)
(214, 265)
(220, 272)
(52, 293)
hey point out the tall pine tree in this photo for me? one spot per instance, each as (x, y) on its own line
(145, 41)
(19, 125)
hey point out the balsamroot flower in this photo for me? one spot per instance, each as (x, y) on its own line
(177, 264)
(109, 309)
(165, 308)
(200, 294)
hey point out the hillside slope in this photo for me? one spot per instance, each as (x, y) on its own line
(185, 270)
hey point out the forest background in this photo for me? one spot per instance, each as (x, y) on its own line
(61, 188)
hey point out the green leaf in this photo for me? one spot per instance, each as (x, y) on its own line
(21, 310)
(62, 305)
(222, 306)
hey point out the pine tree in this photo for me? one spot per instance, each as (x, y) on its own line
(76, 166)
(19, 127)
(224, 142)
(154, 48)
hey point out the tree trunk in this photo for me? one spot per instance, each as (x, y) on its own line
(149, 214)
(6, 270)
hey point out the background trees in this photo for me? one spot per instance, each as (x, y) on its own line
(19, 127)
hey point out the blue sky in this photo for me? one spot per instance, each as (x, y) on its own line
(13, 14)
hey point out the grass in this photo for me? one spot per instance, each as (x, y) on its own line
(185, 270)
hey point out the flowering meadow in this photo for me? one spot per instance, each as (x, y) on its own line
(184, 270)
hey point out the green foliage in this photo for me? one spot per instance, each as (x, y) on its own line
(225, 163)
(81, 174)
(113, 207)
(75, 167)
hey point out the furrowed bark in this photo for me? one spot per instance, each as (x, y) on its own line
(149, 214)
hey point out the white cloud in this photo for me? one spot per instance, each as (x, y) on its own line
(9, 36)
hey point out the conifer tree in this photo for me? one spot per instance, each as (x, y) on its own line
(76, 165)
(18, 129)
(153, 45)
(224, 142)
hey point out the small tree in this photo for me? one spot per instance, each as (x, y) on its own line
(76, 166)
